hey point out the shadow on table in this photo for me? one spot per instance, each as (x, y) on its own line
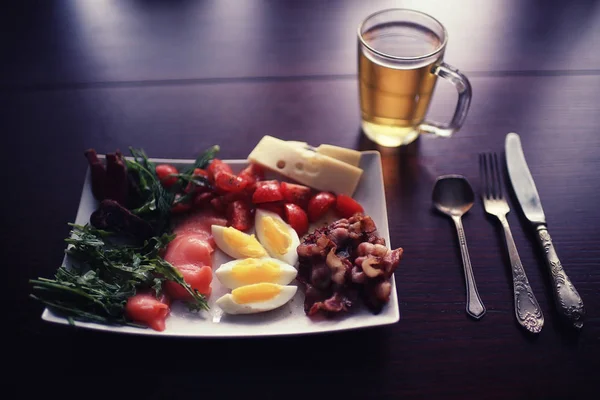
(401, 166)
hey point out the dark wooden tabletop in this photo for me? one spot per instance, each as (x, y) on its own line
(174, 77)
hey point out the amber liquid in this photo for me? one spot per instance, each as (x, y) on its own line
(394, 99)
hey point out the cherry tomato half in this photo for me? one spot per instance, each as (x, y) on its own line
(164, 172)
(297, 218)
(346, 206)
(319, 204)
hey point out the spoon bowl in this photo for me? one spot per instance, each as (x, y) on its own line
(453, 195)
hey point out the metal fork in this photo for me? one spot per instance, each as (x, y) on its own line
(527, 309)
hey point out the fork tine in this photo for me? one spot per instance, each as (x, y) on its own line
(490, 182)
(488, 192)
(483, 175)
(492, 175)
(499, 177)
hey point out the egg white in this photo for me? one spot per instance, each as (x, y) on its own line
(229, 306)
(224, 273)
(291, 256)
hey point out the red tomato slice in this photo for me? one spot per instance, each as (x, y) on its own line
(296, 194)
(239, 215)
(179, 208)
(346, 206)
(191, 186)
(145, 308)
(218, 205)
(198, 277)
(229, 182)
(297, 218)
(201, 200)
(319, 204)
(215, 166)
(252, 173)
(164, 172)
(266, 192)
(275, 207)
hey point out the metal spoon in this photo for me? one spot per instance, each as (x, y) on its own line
(453, 196)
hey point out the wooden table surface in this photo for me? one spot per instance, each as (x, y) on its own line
(175, 77)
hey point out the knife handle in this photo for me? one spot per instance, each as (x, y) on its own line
(568, 301)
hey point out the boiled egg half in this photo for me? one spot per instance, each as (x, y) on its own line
(237, 244)
(249, 271)
(278, 238)
(256, 298)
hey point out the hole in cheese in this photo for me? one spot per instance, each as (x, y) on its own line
(281, 164)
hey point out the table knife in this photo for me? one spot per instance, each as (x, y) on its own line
(568, 301)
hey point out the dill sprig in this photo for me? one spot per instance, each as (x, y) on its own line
(104, 275)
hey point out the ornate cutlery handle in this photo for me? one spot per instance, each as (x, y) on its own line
(475, 307)
(527, 310)
(568, 300)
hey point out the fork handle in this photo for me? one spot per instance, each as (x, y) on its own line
(527, 310)
(475, 307)
(568, 301)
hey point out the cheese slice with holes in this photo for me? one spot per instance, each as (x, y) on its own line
(306, 166)
(348, 156)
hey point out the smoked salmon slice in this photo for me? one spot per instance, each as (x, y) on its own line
(199, 277)
(146, 309)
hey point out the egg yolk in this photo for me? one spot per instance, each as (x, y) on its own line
(253, 270)
(247, 245)
(256, 293)
(277, 236)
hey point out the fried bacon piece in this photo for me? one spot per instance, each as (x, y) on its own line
(342, 259)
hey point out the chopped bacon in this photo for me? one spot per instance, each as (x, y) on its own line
(335, 304)
(348, 256)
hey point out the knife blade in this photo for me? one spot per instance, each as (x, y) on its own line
(568, 301)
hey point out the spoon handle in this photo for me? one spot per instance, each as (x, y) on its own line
(475, 307)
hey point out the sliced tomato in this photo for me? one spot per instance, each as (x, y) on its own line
(252, 173)
(296, 194)
(180, 207)
(297, 218)
(319, 204)
(165, 172)
(202, 200)
(198, 277)
(192, 186)
(239, 215)
(215, 166)
(218, 205)
(266, 192)
(229, 182)
(229, 198)
(274, 207)
(346, 206)
(145, 308)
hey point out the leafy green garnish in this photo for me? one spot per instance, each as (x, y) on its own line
(105, 274)
(157, 201)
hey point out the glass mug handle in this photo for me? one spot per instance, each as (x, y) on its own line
(463, 86)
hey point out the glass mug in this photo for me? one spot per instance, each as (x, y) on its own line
(400, 56)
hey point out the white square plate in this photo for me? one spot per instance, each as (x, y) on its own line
(287, 320)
